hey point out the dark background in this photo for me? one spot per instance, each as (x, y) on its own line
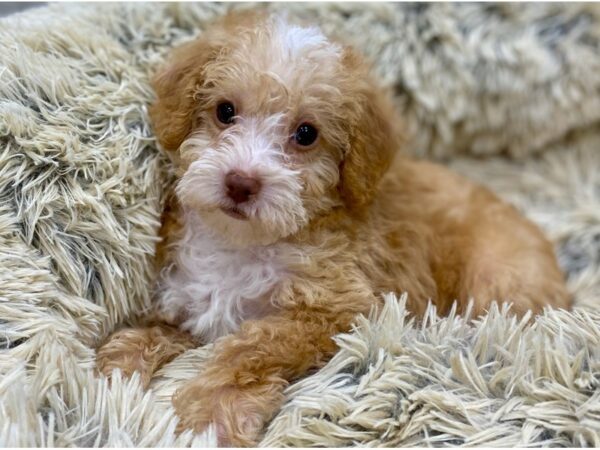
(7, 8)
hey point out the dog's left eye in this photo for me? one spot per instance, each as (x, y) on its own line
(225, 112)
(305, 134)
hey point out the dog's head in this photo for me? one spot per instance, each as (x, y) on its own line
(271, 124)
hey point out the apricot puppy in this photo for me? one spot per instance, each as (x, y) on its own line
(292, 214)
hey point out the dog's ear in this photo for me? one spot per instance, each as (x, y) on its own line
(173, 111)
(373, 131)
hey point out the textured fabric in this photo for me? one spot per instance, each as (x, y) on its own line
(506, 94)
(500, 383)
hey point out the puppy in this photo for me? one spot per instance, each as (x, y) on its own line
(292, 214)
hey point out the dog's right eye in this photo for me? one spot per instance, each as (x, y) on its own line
(225, 112)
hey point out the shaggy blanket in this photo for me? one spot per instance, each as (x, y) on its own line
(507, 94)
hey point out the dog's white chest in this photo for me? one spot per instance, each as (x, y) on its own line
(212, 289)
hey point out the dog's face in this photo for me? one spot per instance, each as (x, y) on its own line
(271, 125)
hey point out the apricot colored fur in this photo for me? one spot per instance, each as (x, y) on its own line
(143, 349)
(390, 224)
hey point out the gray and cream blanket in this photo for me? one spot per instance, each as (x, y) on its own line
(508, 94)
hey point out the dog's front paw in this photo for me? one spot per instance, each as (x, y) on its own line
(239, 413)
(126, 350)
(141, 350)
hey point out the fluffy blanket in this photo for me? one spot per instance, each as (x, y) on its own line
(507, 94)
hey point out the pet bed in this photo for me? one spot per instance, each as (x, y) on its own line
(508, 94)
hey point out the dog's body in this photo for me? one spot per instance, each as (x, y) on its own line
(435, 235)
(275, 241)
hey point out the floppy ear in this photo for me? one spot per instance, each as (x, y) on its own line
(173, 111)
(373, 132)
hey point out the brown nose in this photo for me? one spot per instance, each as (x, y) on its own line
(240, 187)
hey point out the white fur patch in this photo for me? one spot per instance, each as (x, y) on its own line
(213, 286)
(296, 39)
(278, 210)
(226, 270)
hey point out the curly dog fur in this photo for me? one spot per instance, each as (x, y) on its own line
(322, 229)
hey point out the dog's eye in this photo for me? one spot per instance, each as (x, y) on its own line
(225, 112)
(305, 134)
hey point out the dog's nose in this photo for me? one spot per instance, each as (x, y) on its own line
(240, 187)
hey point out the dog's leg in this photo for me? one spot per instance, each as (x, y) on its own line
(527, 276)
(242, 387)
(142, 349)
(513, 264)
